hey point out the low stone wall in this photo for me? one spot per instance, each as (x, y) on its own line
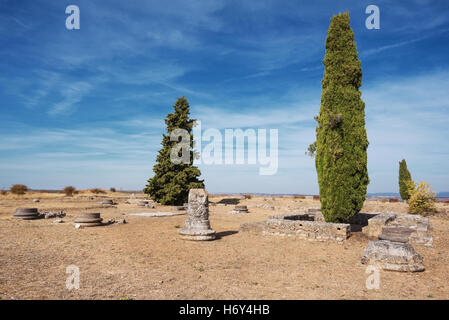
(301, 226)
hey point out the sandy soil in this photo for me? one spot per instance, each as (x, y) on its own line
(146, 259)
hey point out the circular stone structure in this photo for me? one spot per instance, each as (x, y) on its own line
(88, 219)
(26, 213)
(197, 226)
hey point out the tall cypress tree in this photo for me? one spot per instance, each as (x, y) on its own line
(172, 181)
(341, 157)
(404, 177)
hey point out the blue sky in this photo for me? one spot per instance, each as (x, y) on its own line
(86, 107)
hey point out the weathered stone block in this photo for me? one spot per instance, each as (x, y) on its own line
(376, 223)
(394, 256)
(397, 234)
(420, 226)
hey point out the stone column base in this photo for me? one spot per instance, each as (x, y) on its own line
(197, 235)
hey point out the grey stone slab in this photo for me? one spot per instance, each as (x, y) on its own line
(392, 256)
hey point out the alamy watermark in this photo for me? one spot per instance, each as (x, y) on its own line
(219, 150)
(373, 20)
(73, 280)
(73, 20)
(373, 280)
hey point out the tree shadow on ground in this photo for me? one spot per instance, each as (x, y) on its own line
(222, 234)
(229, 201)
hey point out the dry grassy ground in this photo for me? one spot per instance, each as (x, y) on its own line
(145, 259)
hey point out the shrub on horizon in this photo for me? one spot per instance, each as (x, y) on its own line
(18, 189)
(69, 191)
(422, 198)
(97, 190)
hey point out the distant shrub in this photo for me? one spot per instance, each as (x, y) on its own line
(97, 190)
(3, 192)
(247, 196)
(299, 197)
(422, 198)
(113, 190)
(69, 191)
(383, 200)
(18, 189)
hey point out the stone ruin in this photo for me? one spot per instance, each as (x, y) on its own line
(406, 228)
(50, 214)
(393, 256)
(108, 203)
(310, 225)
(240, 209)
(26, 214)
(146, 203)
(396, 233)
(403, 230)
(197, 226)
(88, 219)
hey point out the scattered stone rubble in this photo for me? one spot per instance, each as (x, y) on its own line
(108, 203)
(119, 221)
(50, 215)
(240, 209)
(197, 226)
(146, 203)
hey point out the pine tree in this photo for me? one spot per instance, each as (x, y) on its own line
(404, 177)
(341, 157)
(172, 181)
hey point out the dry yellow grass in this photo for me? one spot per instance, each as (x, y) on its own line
(145, 259)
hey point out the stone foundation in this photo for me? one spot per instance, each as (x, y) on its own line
(303, 226)
(411, 228)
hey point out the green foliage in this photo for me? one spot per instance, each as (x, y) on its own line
(404, 177)
(422, 198)
(341, 157)
(311, 150)
(171, 182)
(18, 189)
(69, 191)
